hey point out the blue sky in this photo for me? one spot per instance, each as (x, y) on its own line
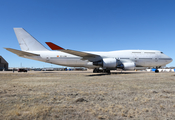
(89, 25)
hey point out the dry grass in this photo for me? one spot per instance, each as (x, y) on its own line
(84, 95)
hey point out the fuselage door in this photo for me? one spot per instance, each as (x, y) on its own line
(156, 57)
(135, 56)
(47, 58)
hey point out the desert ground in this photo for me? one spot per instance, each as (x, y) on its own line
(85, 95)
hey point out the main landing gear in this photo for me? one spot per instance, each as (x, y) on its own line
(97, 70)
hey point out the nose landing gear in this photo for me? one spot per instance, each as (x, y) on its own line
(157, 71)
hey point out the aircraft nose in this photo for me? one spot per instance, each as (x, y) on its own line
(169, 59)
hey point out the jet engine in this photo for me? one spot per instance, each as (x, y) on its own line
(129, 66)
(107, 63)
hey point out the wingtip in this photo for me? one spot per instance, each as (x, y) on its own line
(5, 48)
(53, 46)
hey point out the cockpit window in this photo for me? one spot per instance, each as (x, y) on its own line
(161, 52)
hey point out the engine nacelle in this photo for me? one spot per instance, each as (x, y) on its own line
(129, 66)
(107, 63)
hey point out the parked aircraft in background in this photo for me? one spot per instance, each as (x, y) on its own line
(99, 61)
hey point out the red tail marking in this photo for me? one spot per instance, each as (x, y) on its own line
(53, 46)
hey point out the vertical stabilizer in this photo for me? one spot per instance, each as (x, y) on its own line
(27, 42)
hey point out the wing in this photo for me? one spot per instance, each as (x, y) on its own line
(85, 56)
(21, 53)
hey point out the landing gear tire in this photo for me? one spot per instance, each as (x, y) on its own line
(95, 70)
(156, 71)
(108, 71)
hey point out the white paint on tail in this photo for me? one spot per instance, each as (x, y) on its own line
(28, 42)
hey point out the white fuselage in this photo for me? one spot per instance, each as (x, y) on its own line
(141, 58)
(124, 59)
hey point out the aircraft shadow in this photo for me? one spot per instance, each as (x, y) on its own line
(100, 74)
(47, 72)
(115, 73)
(128, 72)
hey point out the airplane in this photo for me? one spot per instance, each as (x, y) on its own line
(98, 61)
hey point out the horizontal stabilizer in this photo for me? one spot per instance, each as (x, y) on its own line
(21, 53)
(84, 55)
